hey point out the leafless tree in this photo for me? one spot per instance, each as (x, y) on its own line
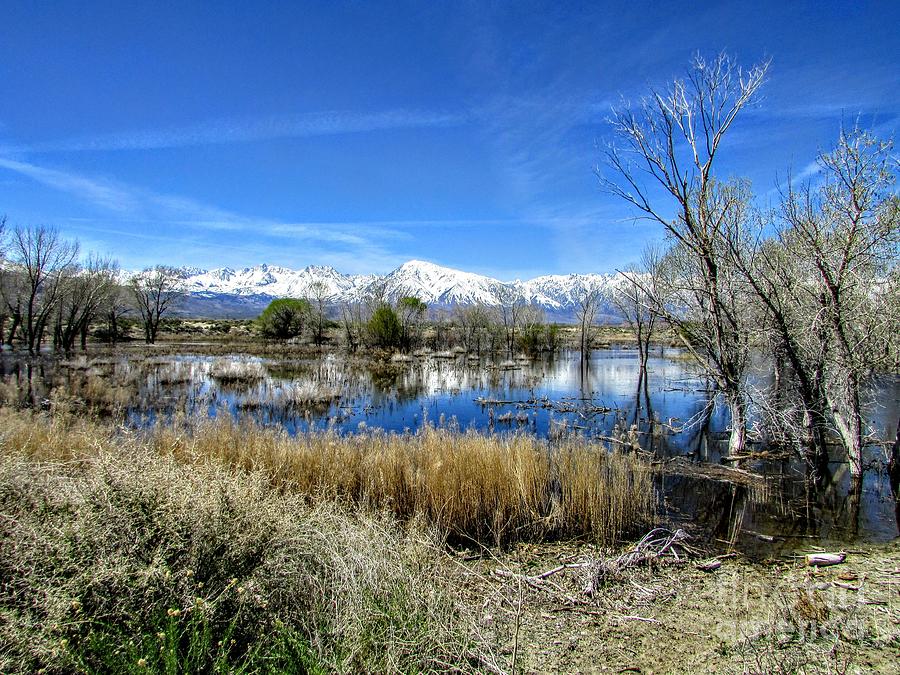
(476, 324)
(843, 235)
(317, 294)
(85, 293)
(637, 299)
(587, 304)
(510, 306)
(117, 307)
(4, 308)
(353, 322)
(672, 139)
(40, 260)
(155, 291)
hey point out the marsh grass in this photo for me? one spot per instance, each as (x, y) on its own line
(491, 489)
(117, 557)
(237, 373)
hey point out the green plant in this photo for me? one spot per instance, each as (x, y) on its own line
(284, 318)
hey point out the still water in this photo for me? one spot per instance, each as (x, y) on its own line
(673, 414)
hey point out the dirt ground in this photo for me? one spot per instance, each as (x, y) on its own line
(776, 616)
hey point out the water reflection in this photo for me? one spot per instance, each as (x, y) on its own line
(672, 413)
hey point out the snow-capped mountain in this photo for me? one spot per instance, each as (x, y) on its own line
(244, 292)
(436, 285)
(276, 281)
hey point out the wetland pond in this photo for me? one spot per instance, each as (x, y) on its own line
(672, 414)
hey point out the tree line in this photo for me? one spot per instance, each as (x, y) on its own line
(49, 292)
(407, 324)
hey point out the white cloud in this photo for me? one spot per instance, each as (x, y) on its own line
(243, 130)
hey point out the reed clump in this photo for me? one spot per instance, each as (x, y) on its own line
(490, 489)
(237, 373)
(115, 557)
(472, 487)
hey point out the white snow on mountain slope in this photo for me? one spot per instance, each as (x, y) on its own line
(276, 281)
(435, 285)
(559, 291)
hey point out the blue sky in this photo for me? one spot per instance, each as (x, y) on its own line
(364, 134)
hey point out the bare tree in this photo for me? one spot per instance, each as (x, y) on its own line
(587, 304)
(637, 299)
(845, 234)
(4, 308)
(118, 305)
(672, 138)
(40, 261)
(85, 292)
(510, 307)
(317, 295)
(476, 323)
(353, 322)
(155, 291)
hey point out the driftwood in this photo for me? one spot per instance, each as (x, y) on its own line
(709, 566)
(660, 544)
(713, 564)
(825, 559)
(657, 545)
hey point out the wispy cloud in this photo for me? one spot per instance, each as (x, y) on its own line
(244, 130)
(194, 220)
(98, 192)
(183, 230)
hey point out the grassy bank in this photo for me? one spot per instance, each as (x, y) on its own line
(227, 548)
(468, 486)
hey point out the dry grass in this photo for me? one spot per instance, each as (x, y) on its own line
(237, 373)
(488, 489)
(116, 558)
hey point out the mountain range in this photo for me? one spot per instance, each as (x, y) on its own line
(244, 293)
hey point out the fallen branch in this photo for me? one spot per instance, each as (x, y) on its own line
(658, 544)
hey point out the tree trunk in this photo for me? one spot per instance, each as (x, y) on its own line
(847, 410)
(894, 466)
(17, 321)
(737, 406)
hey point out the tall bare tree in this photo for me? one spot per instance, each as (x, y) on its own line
(845, 234)
(4, 308)
(155, 291)
(671, 140)
(85, 293)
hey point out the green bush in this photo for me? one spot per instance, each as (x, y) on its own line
(284, 318)
(385, 328)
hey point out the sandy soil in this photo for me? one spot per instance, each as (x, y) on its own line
(776, 616)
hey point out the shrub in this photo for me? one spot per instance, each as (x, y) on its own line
(284, 318)
(385, 328)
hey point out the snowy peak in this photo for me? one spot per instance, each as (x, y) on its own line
(435, 285)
